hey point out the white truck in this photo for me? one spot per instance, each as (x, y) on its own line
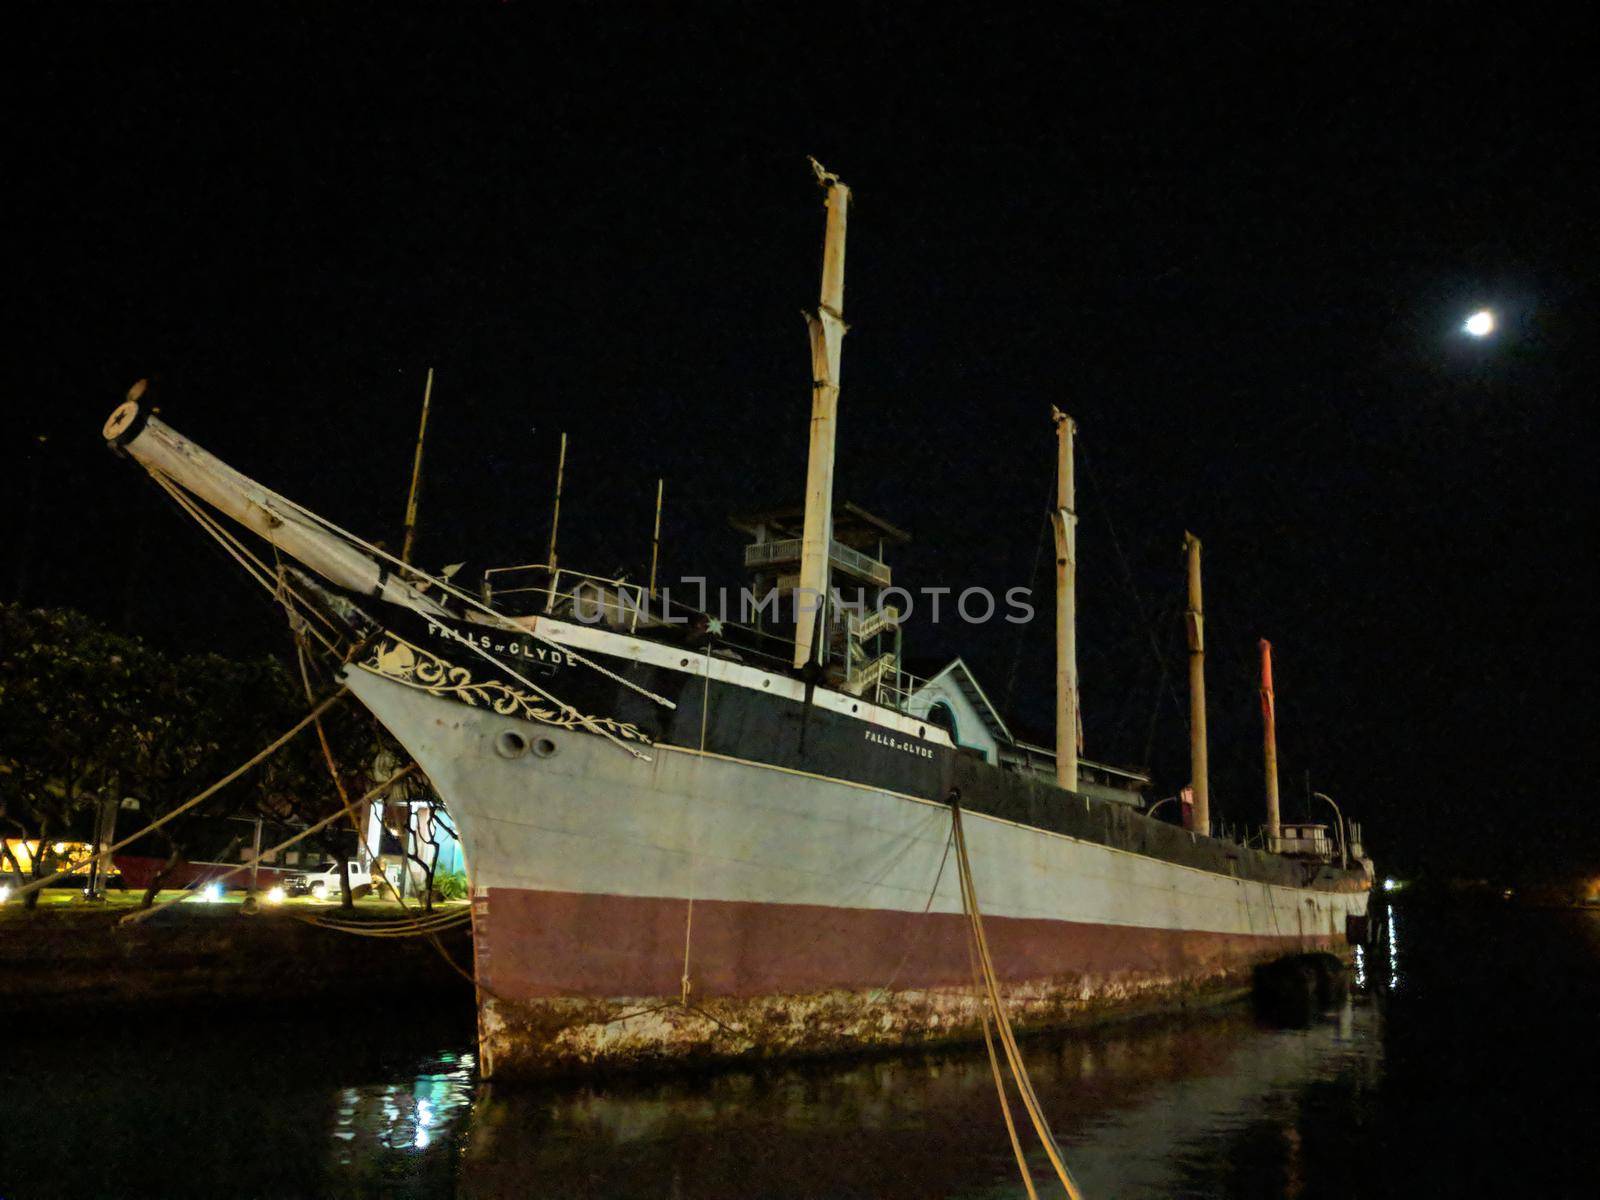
(322, 882)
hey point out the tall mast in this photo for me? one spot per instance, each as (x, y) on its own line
(555, 524)
(1195, 622)
(1065, 520)
(827, 330)
(555, 512)
(655, 538)
(1269, 720)
(416, 475)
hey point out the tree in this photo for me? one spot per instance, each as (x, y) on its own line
(73, 696)
(86, 712)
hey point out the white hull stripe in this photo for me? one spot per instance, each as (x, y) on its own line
(704, 664)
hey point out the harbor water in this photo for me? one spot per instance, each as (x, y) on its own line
(1463, 1065)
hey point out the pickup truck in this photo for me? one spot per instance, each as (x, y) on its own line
(322, 883)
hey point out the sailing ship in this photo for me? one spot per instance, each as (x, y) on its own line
(693, 839)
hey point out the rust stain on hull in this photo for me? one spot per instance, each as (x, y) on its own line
(773, 982)
(555, 1036)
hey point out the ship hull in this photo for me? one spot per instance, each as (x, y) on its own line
(639, 910)
(680, 849)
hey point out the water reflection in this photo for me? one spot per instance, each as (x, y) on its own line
(1138, 1112)
(1392, 938)
(1464, 1074)
(405, 1116)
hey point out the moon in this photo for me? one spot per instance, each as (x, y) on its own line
(1480, 324)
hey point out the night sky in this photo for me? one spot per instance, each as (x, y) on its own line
(1237, 248)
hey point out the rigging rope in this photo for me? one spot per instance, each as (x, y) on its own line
(355, 822)
(1141, 609)
(239, 552)
(296, 607)
(229, 542)
(495, 616)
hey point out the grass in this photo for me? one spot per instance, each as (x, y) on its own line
(58, 899)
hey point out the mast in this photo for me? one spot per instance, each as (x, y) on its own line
(655, 538)
(1065, 521)
(416, 475)
(555, 523)
(1269, 721)
(1195, 623)
(827, 329)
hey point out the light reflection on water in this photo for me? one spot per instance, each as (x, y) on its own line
(404, 1116)
(1389, 1095)
(1139, 1111)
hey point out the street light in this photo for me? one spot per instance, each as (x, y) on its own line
(1479, 324)
(1344, 859)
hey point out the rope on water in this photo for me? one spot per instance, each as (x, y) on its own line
(986, 977)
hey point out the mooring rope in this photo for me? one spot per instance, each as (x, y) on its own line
(272, 748)
(986, 976)
(402, 927)
(921, 926)
(255, 859)
(999, 1080)
(420, 930)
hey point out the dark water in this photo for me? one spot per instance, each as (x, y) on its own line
(1477, 1075)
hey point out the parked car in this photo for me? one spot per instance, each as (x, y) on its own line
(322, 883)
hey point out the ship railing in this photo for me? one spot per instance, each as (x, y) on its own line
(532, 588)
(846, 558)
(762, 647)
(863, 627)
(870, 676)
(594, 599)
(896, 690)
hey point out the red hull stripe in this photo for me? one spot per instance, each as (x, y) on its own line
(535, 944)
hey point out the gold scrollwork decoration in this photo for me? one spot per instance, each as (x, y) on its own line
(392, 657)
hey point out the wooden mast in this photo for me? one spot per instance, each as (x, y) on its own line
(555, 524)
(827, 329)
(1269, 741)
(655, 538)
(1065, 521)
(416, 475)
(1195, 623)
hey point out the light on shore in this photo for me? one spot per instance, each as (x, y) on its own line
(1480, 324)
